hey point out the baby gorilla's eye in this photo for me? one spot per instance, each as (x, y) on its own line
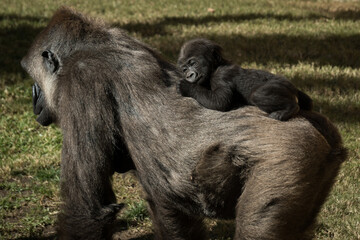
(191, 62)
(184, 69)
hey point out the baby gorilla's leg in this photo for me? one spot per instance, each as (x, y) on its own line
(278, 98)
(285, 114)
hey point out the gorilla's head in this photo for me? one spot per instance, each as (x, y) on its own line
(198, 59)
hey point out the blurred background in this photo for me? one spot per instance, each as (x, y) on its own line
(315, 44)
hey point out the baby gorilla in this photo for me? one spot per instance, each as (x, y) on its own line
(220, 85)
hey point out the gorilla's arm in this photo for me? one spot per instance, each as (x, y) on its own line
(90, 135)
(220, 99)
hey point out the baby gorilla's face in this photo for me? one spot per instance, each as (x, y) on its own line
(196, 69)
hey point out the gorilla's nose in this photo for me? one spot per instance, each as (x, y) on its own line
(191, 76)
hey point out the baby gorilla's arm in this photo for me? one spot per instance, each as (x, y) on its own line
(219, 99)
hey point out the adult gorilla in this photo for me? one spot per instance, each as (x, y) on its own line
(113, 96)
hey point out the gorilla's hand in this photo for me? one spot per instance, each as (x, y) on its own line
(185, 88)
(109, 211)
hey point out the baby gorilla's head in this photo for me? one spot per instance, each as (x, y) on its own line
(198, 59)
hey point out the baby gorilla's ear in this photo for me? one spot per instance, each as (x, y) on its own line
(217, 55)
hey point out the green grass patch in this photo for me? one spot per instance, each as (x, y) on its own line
(316, 44)
(136, 211)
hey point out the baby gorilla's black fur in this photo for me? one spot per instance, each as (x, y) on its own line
(220, 85)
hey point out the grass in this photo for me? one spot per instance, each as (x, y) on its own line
(316, 44)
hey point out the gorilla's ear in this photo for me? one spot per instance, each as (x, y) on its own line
(51, 61)
(217, 54)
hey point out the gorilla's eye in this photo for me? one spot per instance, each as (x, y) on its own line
(191, 62)
(184, 69)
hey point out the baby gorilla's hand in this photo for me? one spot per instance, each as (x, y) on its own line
(185, 87)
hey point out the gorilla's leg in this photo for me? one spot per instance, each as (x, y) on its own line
(170, 223)
(89, 206)
(278, 98)
(290, 110)
(279, 201)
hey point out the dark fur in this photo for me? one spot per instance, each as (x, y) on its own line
(220, 85)
(114, 100)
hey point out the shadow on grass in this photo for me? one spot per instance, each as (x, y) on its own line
(15, 41)
(118, 231)
(345, 112)
(339, 112)
(332, 50)
(341, 84)
(120, 227)
(324, 50)
(159, 27)
(13, 17)
(37, 238)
